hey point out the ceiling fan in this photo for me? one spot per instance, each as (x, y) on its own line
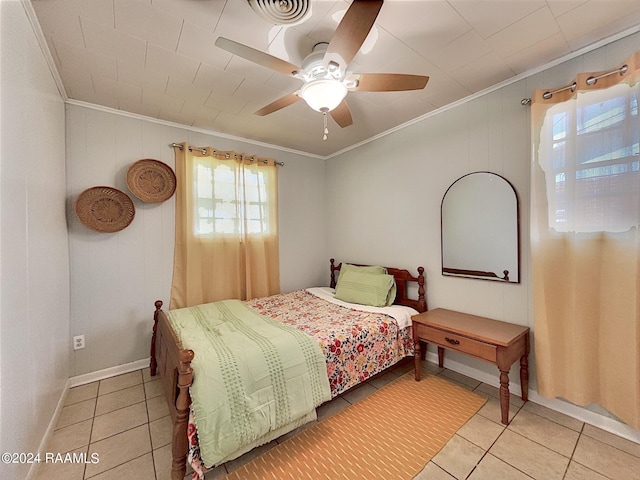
(324, 71)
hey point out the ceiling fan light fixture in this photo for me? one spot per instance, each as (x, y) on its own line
(323, 95)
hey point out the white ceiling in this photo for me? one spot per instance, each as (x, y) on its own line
(157, 58)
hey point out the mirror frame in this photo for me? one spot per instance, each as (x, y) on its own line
(479, 274)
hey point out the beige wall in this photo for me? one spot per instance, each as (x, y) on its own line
(115, 278)
(34, 269)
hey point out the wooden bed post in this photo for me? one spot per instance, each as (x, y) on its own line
(422, 300)
(153, 364)
(333, 274)
(180, 445)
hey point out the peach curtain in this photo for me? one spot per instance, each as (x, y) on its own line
(585, 246)
(226, 243)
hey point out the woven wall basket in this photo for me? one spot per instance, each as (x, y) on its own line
(105, 209)
(151, 180)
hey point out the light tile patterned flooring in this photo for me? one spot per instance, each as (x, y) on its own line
(126, 421)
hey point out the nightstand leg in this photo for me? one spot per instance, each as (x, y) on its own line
(524, 377)
(504, 396)
(441, 357)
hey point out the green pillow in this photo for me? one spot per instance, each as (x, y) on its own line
(365, 288)
(347, 267)
(391, 296)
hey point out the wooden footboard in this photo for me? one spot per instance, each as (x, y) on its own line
(173, 364)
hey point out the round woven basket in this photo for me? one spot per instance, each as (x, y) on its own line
(151, 180)
(105, 209)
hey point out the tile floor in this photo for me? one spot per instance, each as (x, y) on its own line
(126, 421)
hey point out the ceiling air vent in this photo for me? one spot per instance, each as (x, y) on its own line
(282, 12)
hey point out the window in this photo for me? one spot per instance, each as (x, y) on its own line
(585, 244)
(593, 166)
(230, 200)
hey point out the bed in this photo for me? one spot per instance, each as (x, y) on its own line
(351, 337)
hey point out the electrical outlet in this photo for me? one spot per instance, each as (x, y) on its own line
(78, 342)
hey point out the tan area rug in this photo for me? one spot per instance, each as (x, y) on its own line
(389, 435)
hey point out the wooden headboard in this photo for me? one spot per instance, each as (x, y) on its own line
(402, 277)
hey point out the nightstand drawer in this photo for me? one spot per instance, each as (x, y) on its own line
(460, 343)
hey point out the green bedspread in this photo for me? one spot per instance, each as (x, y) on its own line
(252, 376)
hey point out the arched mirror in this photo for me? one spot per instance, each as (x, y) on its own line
(480, 228)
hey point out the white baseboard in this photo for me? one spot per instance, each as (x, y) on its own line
(42, 449)
(107, 372)
(75, 382)
(584, 415)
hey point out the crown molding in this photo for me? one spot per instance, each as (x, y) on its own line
(58, 80)
(122, 113)
(493, 88)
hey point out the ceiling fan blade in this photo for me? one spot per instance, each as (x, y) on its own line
(256, 56)
(388, 82)
(342, 115)
(352, 32)
(278, 104)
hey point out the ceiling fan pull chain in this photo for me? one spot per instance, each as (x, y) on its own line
(326, 130)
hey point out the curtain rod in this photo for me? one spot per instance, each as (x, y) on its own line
(204, 150)
(590, 81)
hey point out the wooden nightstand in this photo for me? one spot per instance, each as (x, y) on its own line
(499, 343)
